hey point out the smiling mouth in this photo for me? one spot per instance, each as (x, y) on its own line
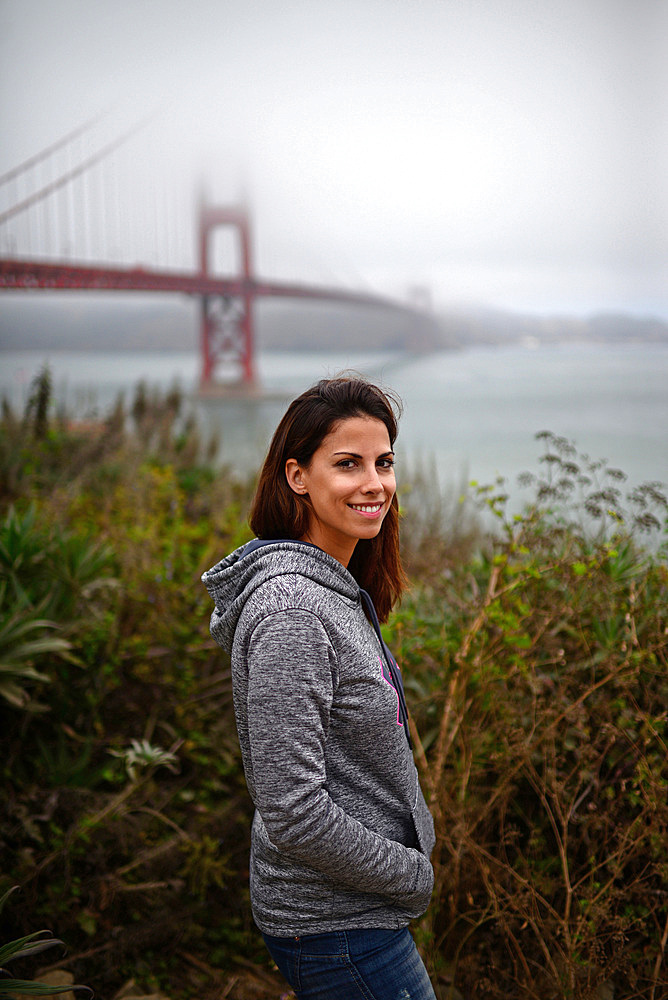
(366, 508)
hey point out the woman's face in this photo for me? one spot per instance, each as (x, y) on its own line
(350, 483)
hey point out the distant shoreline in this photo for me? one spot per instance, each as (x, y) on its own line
(149, 326)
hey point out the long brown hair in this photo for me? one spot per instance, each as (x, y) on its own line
(278, 512)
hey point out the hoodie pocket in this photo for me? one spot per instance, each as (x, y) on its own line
(423, 823)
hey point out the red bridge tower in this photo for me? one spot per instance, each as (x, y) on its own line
(227, 319)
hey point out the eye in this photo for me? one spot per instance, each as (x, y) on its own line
(346, 463)
(385, 463)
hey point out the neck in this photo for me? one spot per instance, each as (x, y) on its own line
(342, 553)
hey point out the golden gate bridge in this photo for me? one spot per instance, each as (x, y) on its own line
(44, 200)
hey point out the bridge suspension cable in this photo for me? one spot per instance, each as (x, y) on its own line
(32, 161)
(69, 175)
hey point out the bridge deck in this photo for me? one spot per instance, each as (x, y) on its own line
(35, 275)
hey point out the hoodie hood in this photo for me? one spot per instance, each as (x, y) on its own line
(233, 580)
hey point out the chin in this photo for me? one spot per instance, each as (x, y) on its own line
(372, 532)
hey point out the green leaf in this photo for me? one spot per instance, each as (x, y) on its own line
(26, 987)
(22, 947)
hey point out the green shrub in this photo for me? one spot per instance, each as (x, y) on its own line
(542, 671)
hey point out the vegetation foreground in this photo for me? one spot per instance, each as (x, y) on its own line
(535, 656)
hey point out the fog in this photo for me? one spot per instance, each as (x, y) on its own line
(505, 152)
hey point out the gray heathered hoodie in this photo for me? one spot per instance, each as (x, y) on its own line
(342, 835)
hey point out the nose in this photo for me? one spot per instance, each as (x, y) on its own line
(372, 483)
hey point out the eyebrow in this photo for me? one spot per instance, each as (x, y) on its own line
(353, 454)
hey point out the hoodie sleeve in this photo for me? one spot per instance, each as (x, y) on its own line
(292, 673)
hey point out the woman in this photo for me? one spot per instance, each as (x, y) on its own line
(341, 836)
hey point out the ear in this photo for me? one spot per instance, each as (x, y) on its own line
(295, 477)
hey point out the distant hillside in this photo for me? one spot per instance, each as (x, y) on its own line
(489, 326)
(84, 321)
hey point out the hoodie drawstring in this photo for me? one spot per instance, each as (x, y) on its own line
(392, 665)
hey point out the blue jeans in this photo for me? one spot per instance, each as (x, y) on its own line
(352, 965)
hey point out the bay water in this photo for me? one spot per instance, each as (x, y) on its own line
(469, 415)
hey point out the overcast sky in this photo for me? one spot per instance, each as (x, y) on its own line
(507, 152)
